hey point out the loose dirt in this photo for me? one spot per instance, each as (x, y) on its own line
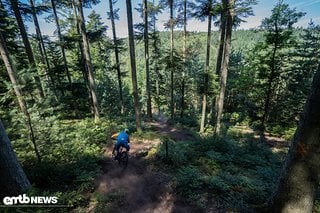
(140, 187)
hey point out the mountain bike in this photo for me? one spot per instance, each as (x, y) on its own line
(122, 157)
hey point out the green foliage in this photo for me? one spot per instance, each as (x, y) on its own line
(8, 27)
(235, 171)
(233, 118)
(189, 182)
(70, 151)
(239, 171)
(95, 28)
(271, 67)
(176, 154)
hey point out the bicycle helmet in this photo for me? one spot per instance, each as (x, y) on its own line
(126, 131)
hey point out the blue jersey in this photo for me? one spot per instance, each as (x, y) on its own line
(123, 137)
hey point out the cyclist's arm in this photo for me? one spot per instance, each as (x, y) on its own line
(114, 136)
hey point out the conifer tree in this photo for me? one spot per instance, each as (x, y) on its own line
(28, 49)
(229, 4)
(21, 101)
(146, 52)
(88, 63)
(232, 12)
(279, 32)
(113, 15)
(42, 48)
(60, 39)
(205, 9)
(155, 9)
(133, 65)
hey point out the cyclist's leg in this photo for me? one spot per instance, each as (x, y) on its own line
(117, 147)
(127, 146)
(119, 144)
(114, 149)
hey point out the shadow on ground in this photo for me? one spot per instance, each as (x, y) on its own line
(138, 188)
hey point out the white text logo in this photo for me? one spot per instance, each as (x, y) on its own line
(24, 199)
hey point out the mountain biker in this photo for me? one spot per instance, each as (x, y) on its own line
(122, 140)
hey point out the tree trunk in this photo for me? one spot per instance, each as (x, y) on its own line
(81, 59)
(301, 172)
(206, 73)
(87, 57)
(224, 70)
(133, 65)
(23, 32)
(13, 180)
(184, 56)
(156, 70)
(146, 56)
(183, 88)
(185, 30)
(171, 58)
(221, 43)
(61, 42)
(270, 81)
(116, 52)
(17, 90)
(42, 48)
(220, 56)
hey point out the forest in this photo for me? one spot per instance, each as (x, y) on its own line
(222, 120)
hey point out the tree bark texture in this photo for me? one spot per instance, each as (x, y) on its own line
(225, 64)
(171, 59)
(13, 180)
(220, 55)
(184, 56)
(87, 58)
(116, 52)
(133, 65)
(221, 43)
(81, 59)
(156, 69)
(206, 73)
(301, 172)
(270, 80)
(146, 56)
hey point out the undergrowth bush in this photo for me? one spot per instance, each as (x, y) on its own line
(177, 155)
(279, 131)
(189, 183)
(238, 173)
(70, 153)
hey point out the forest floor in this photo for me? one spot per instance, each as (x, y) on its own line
(276, 144)
(140, 187)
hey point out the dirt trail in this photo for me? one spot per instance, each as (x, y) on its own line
(162, 128)
(139, 187)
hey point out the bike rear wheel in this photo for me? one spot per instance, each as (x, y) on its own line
(123, 159)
